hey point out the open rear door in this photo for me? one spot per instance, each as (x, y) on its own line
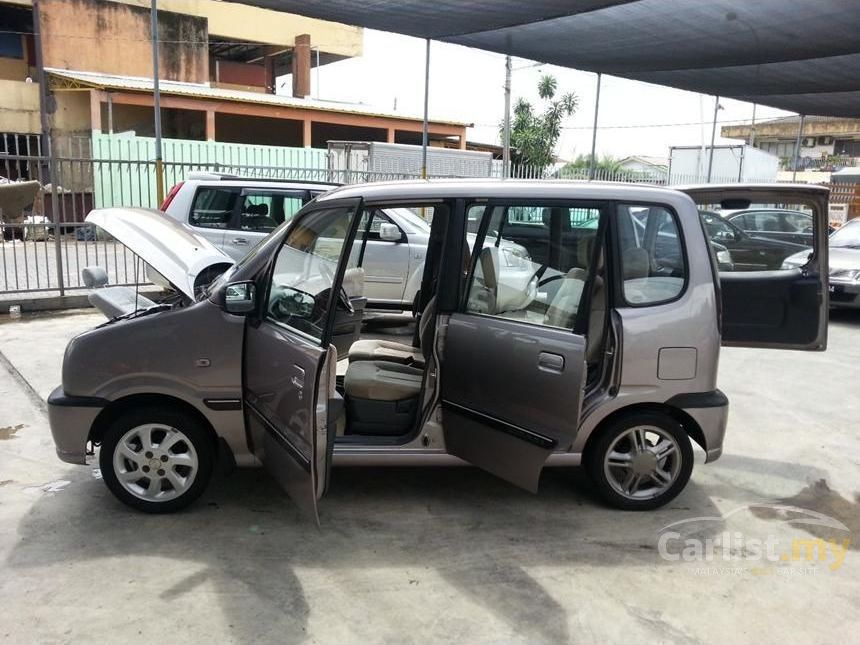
(787, 307)
(290, 401)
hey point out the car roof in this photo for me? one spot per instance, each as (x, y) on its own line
(406, 191)
(223, 179)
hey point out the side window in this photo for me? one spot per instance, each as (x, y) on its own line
(265, 211)
(653, 264)
(305, 270)
(508, 282)
(213, 207)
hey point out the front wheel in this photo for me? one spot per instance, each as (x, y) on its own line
(156, 460)
(641, 461)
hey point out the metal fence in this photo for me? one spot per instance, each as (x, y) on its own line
(44, 247)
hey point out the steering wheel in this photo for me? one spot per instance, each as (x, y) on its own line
(342, 296)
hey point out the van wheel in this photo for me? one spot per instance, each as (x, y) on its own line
(641, 461)
(156, 460)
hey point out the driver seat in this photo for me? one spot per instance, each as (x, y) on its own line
(388, 350)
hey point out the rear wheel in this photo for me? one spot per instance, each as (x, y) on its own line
(641, 461)
(156, 460)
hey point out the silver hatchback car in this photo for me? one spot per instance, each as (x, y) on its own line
(599, 347)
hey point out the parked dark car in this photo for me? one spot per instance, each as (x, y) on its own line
(775, 224)
(749, 253)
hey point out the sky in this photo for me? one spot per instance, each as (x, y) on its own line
(468, 85)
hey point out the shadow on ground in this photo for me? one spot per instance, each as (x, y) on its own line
(479, 534)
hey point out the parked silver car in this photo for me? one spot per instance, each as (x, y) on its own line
(235, 214)
(597, 351)
(844, 269)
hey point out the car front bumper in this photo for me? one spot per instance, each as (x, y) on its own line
(71, 418)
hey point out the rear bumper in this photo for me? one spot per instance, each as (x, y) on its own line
(844, 294)
(710, 410)
(71, 418)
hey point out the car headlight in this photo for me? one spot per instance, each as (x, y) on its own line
(724, 257)
(845, 275)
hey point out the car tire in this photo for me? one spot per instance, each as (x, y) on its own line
(156, 460)
(641, 461)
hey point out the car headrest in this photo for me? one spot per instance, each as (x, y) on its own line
(257, 209)
(637, 263)
(94, 277)
(489, 261)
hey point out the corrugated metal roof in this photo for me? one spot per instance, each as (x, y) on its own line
(204, 91)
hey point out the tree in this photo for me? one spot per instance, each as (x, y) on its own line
(533, 135)
(606, 164)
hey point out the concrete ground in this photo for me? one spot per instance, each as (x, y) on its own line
(450, 555)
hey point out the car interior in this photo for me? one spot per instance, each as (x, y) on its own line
(383, 380)
(544, 265)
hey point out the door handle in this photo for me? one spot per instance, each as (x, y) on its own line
(298, 381)
(240, 241)
(549, 362)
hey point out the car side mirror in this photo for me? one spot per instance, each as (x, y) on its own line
(240, 298)
(389, 233)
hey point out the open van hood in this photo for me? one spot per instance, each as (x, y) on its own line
(164, 244)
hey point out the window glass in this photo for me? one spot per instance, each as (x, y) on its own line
(265, 211)
(212, 207)
(508, 281)
(653, 266)
(305, 270)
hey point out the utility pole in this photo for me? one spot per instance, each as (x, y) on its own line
(713, 137)
(752, 127)
(156, 98)
(506, 135)
(592, 163)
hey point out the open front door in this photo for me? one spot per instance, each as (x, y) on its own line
(291, 405)
(514, 361)
(785, 307)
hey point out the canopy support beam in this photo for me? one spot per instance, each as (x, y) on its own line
(796, 156)
(425, 131)
(506, 135)
(156, 98)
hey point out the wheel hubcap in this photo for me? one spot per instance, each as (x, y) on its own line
(643, 462)
(155, 462)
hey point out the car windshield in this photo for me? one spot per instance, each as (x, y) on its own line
(848, 236)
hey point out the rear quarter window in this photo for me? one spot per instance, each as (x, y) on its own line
(212, 207)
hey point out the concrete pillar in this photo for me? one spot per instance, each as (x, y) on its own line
(302, 66)
(462, 142)
(95, 111)
(210, 125)
(307, 137)
(390, 138)
(269, 65)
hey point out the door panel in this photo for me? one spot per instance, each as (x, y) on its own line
(782, 308)
(286, 346)
(386, 265)
(281, 371)
(511, 394)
